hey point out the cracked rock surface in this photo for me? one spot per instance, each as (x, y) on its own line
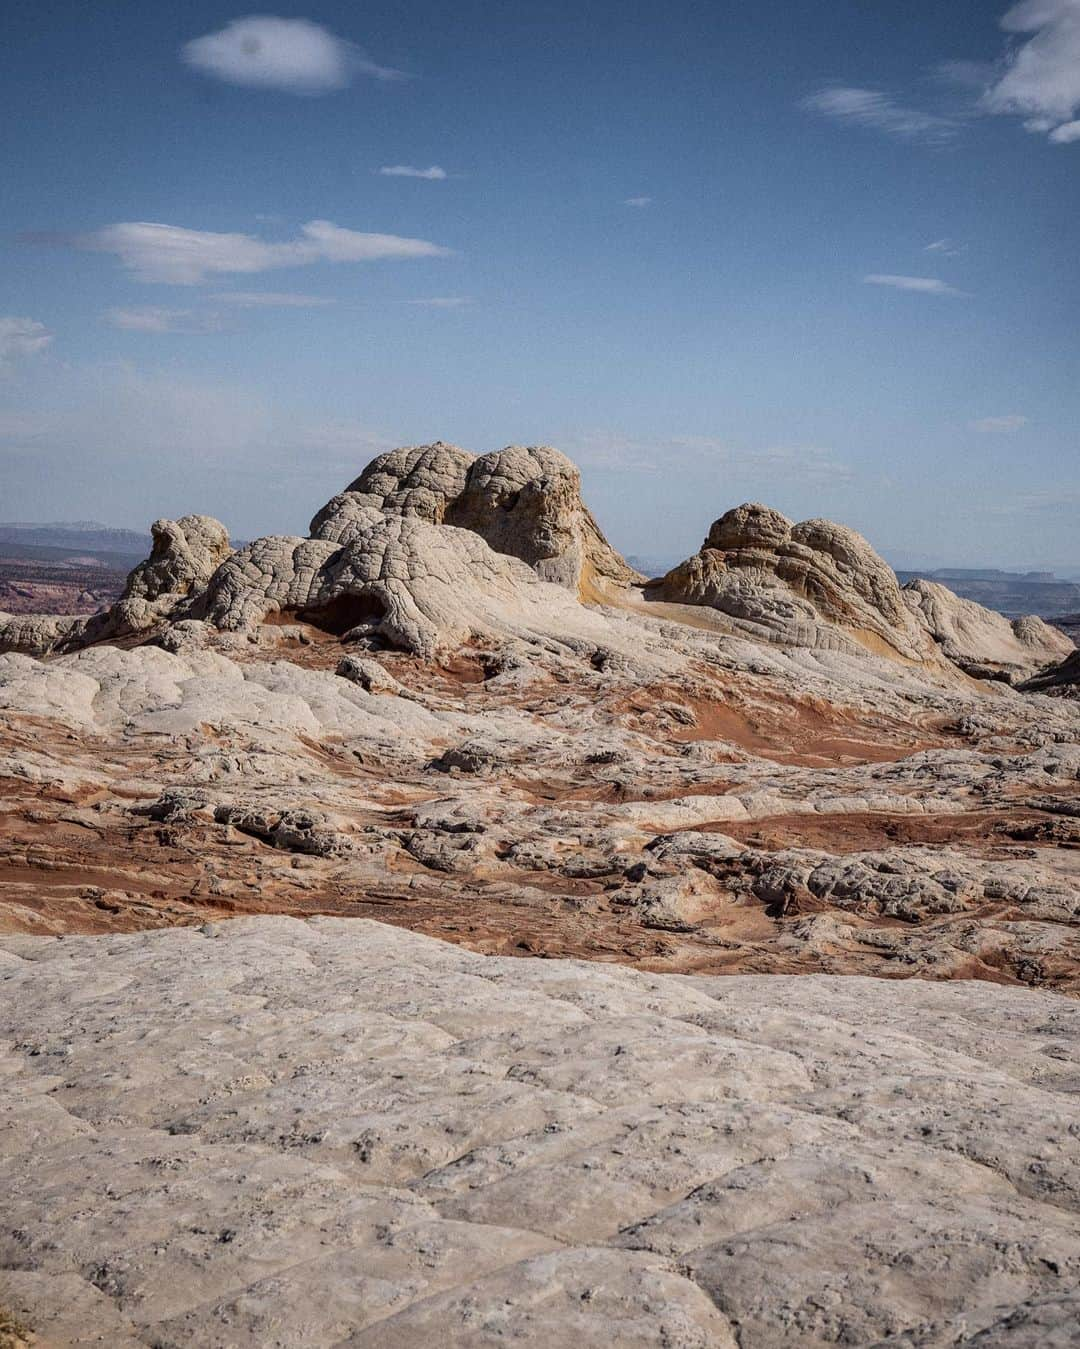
(274, 1132)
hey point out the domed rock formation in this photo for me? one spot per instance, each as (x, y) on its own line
(417, 480)
(525, 502)
(815, 584)
(985, 644)
(412, 585)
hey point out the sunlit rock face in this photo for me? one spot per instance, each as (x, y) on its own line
(815, 584)
(984, 644)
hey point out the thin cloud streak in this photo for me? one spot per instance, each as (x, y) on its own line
(172, 255)
(999, 425)
(432, 175)
(879, 111)
(151, 319)
(921, 285)
(443, 301)
(270, 299)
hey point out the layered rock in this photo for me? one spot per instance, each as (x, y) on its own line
(815, 584)
(984, 644)
(1060, 680)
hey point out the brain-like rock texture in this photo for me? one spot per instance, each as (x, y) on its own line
(419, 587)
(981, 642)
(525, 502)
(424, 550)
(329, 1133)
(815, 584)
(185, 554)
(419, 480)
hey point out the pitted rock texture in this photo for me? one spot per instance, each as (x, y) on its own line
(984, 644)
(279, 1133)
(814, 584)
(421, 480)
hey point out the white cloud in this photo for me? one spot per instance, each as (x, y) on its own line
(638, 201)
(21, 337)
(293, 55)
(433, 175)
(183, 257)
(1041, 81)
(272, 299)
(922, 285)
(881, 112)
(443, 301)
(945, 247)
(999, 425)
(151, 319)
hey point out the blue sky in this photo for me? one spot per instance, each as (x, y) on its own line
(818, 254)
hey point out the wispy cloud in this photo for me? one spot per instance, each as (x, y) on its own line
(21, 337)
(944, 248)
(295, 56)
(151, 319)
(432, 175)
(272, 299)
(880, 112)
(999, 425)
(1041, 79)
(921, 285)
(183, 257)
(443, 301)
(638, 201)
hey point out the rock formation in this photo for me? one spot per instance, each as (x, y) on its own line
(1059, 680)
(397, 579)
(815, 584)
(525, 502)
(185, 555)
(984, 644)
